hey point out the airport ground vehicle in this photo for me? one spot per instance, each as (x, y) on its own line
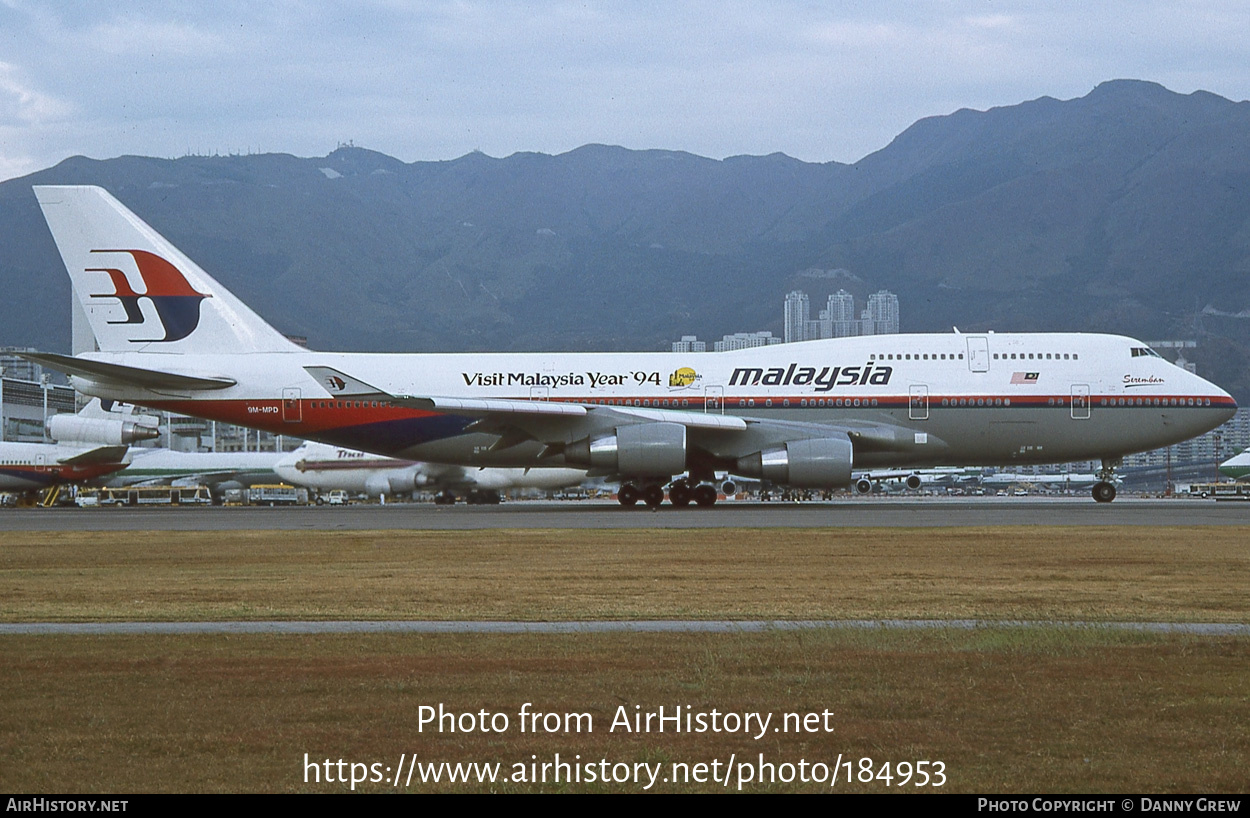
(147, 496)
(1221, 491)
(800, 415)
(276, 494)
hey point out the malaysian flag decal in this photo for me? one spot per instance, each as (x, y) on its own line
(1024, 377)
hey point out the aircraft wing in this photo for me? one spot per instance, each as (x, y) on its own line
(126, 375)
(510, 412)
(100, 454)
(593, 436)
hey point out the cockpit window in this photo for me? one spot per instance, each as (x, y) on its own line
(1145, 352)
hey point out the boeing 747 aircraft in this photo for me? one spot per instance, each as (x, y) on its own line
(801, 415)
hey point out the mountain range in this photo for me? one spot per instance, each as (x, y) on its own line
(1126, 210)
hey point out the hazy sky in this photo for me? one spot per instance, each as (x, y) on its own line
(435, 80)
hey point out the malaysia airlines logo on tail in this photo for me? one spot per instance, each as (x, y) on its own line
(176, 302)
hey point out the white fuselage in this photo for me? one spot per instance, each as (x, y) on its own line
(957, 399)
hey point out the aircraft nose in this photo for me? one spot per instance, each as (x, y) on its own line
(1223, 406)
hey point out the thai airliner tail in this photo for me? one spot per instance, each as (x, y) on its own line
(139, 292)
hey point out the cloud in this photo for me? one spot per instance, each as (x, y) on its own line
(435, 80)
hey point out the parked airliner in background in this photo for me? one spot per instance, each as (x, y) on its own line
(327, 468)
(1237, 467)
(36, 466)
(119, 425)
(801, 415)
(916, 479)
(219, 471)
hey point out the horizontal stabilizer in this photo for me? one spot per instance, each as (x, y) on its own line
(126, 375)
(102, 454)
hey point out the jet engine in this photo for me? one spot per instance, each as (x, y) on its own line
(820, 463)
(67, 428)
(637, 450)
(377, 485)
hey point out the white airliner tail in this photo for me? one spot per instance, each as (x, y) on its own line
(139, 292)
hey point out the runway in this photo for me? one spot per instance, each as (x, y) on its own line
(858, 513)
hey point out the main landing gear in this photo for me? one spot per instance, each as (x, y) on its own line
(1104, 490)
(475, 497)
(680, 494)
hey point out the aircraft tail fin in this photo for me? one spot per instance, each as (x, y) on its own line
(139, 292)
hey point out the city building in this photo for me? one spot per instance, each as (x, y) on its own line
(12, 365)
(797, 316)
(25, 404)
(745, 340)
(838, 319)
(689, 343)
(882, 311)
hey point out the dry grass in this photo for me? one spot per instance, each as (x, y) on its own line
(1171, 574)
(1007, 711)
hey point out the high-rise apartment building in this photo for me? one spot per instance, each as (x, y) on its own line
(838, 319)
(798, 314)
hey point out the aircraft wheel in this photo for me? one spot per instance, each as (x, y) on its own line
(1103, 492)
(705, 496)
(679, 494)
(628, 496)
(653, 495)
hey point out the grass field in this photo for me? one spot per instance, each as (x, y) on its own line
(1092, 574)
(1036, 709)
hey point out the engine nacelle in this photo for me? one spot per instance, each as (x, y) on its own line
(377, 485)
(67, 428)
(913, 481)
(863, 485)
(637, 450)
(402, 482)
(822, 463)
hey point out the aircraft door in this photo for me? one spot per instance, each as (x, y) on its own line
(714, 400)
(918, 402)
(978, 353)
(1080, 401)
(292, 408)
